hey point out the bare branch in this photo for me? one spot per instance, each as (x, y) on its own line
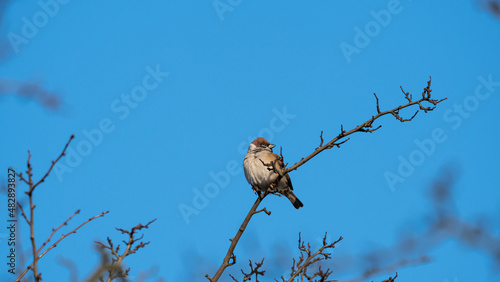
(55, 244)
(253, 271)
(234, 241)
(115, 268)
(378, 107)
(53, 163)
(30, 220)
(308, 258)
(390, 268)
(263, 210)
(22, 213)
(59, 227)
(408, 96)
(367, 126)
(321, 137)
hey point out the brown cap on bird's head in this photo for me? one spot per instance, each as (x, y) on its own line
(261, 141)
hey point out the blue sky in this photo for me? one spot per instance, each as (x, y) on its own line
(164, 97)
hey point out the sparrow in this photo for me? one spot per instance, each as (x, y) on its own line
(261, 176)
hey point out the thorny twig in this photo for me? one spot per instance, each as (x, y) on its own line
(308, 258)
(253, 271)
(367, 126)
(115, 269)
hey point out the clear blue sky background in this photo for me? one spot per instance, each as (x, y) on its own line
(231, 77)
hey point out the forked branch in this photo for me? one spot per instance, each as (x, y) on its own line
(30, 220)
(254, 270)
(308, 258)
(115, 268)
(35, 260)
(367, 126)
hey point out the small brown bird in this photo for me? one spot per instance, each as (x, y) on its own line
(261, 176)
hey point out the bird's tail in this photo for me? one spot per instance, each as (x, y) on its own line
(293, 199)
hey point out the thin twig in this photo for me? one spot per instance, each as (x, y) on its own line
(303, 263)
(115, 269)
(57, 242)
(366, 126)
(54, 230)
(31, 220)
(53, 163)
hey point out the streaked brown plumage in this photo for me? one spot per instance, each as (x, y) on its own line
(260, 177)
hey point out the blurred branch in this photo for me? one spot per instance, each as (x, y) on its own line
(71, 266)
(5, 46)
(446, 223)
(492, 6)
(31, 90)
(391, 268)
(442, 223)
(23, 89)
(150, 273)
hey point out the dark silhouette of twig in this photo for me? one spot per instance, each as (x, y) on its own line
(115, 268)
(308, 258)
(253, 271)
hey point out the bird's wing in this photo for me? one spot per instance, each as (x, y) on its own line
(282, 165)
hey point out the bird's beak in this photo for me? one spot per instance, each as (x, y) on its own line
(272, 146)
